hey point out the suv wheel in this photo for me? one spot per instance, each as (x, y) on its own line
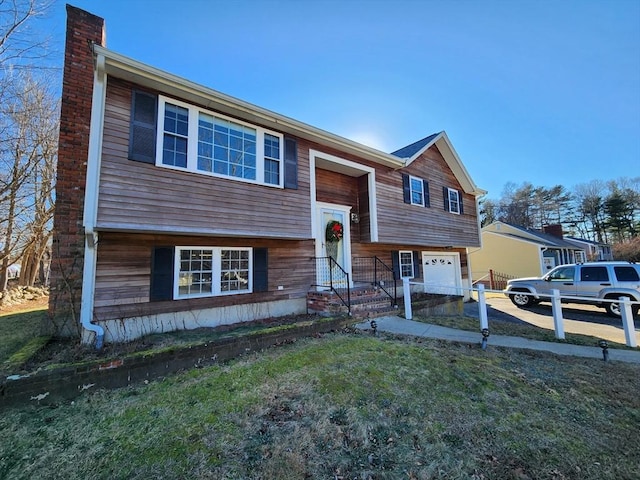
(522, 299)
(613, 308)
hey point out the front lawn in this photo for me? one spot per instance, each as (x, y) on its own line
(346, 406)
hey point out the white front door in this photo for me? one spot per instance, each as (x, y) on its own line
(333, 223)
(441, 272)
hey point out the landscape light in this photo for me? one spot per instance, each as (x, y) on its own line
(605, 349)
(485, 336)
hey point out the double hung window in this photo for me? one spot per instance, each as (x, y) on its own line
(417, 192)
(205, 142)
(406, 264)
(454, 200)
(210, 271)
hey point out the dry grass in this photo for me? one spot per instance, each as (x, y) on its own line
(346, 406)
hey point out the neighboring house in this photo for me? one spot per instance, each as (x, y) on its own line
(521, 252)
(180, 207)
(595, 251)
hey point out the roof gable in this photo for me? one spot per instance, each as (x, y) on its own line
(442, 142)
(514, 231)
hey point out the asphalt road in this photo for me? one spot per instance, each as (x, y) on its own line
(581, 319)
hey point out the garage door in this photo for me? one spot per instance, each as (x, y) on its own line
(441, 273)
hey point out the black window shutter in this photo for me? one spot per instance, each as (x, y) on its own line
(290, 163)
(142, 131)
(395, 264)
(260, 270)
(445, 193)
(416, 264)
(425, 188)
(161, 274)
(406, 188)
(460, 202)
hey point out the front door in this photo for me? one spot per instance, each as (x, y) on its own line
(333, 240)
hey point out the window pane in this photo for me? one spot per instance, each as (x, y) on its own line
(416, 192)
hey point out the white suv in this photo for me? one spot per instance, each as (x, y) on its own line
(592, 281)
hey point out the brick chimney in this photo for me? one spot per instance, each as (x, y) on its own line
(67, 262)
(555, 230)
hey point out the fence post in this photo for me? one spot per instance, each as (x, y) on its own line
(558, 322)
(406, 288)
(491, 281)
(482, 307)
(627, 322)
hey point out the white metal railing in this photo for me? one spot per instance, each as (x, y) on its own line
(556, 304)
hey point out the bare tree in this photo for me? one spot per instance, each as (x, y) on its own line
(28, 132)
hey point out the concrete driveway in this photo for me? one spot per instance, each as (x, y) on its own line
(581, 319)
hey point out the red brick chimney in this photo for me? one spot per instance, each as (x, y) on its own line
(555, 230)
(67, 262)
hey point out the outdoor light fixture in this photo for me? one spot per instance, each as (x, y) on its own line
(485, 336)
(605, 349)
(374, 327)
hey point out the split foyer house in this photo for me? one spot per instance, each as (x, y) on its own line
(180, 207)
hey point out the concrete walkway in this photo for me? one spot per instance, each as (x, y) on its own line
(394, 324)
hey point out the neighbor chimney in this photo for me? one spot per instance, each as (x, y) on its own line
(555, 230)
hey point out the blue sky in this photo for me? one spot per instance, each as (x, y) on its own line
(546, 92)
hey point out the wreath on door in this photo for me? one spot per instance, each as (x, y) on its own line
(334, 231)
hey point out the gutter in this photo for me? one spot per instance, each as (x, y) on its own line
(126, 68)
(92, 184)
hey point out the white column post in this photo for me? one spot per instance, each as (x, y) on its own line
(482, 307)
(406, 288)
(627, 322)
(558, 322)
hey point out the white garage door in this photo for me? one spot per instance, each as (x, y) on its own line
(441, 273)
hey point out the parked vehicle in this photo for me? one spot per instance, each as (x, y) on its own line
(592, 282)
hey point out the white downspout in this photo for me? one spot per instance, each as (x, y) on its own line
(91, 202)
(542, 270)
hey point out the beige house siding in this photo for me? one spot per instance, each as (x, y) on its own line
(511, 256)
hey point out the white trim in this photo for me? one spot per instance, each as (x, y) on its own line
(453, 161)
(371, 179)
(139, 73)
(216, 266)
(457, 267)
(90, 214)
(421, 181)
(413, 267)
(344, 210)
(457, 192)
(192, 143)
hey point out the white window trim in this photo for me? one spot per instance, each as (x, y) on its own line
(411, 178)
(192, 144)
(457, 192)
(215, 276)
(400, 264)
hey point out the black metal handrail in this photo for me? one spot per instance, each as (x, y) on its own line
(374, 271)
(330, 274)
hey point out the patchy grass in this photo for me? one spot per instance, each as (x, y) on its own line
(21, 335)
(346, 406)
(498, 327)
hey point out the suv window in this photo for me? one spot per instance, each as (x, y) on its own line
(594, 274)
(562, 273)
(626, 274)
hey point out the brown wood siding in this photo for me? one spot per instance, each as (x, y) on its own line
(403, 224)
(399, 222)
(138, 196)
(123, 273)
(383, 252)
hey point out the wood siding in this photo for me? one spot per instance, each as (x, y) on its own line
(124, 273)
(399, 222)
(139, 197)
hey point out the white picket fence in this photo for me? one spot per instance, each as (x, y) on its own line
(556, 305)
